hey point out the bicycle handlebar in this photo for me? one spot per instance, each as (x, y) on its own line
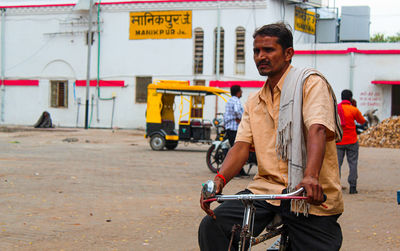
(208, 192)
(243, 197)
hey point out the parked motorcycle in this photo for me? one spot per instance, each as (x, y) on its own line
(219, 148)
(372, 120)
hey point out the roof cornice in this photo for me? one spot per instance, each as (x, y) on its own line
(140, 6)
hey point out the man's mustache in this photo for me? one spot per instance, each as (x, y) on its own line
(263, 62)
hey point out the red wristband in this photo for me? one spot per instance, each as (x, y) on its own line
(221, 176)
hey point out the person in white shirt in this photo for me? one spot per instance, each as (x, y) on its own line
(233, 115)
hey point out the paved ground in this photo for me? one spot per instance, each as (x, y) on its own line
(109, 191)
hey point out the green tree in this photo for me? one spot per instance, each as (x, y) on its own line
(395, 38)
(378, 37)
(381, 38)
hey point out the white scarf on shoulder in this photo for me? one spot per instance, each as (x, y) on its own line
(290, 141)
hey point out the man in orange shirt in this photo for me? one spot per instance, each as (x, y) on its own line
(349, 144)
(292, 123)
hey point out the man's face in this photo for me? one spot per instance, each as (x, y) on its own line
(269, 56)
(239, 94)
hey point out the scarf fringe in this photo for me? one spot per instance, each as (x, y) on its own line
(284, 139)
(299, 206)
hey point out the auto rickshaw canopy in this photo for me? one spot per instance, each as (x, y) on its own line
(184, 89)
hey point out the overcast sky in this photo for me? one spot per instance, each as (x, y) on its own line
(385, 14)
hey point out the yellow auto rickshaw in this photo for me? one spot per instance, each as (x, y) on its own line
(160, 121)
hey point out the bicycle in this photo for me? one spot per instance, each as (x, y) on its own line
(275, 228)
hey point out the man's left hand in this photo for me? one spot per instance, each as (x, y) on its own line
(314, 191)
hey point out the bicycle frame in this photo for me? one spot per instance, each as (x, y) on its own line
(246, 234)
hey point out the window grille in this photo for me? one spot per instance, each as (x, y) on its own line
(198, 50)
(240, 50)
(221, 51)
(199, 82)
(141, 88)
(59, 94)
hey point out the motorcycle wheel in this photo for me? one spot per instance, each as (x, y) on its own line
(215, 157)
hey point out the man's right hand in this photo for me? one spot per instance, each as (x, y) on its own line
(233, 163)
(219, 185)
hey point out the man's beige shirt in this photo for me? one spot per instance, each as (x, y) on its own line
(259, 126)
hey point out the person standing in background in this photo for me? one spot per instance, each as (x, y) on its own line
(233, 115)
(349, 113)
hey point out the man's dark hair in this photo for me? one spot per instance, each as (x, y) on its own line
(235, 89)
(347, 95)
(279, 30)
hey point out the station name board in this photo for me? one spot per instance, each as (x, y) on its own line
(160, 25)
(304, 20)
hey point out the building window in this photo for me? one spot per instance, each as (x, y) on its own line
(201, 82)
(141, 88)
(221, 51)
(240, 51)
(59, 94)
(198, 50)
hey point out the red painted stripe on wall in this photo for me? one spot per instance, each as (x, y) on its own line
(340, 52)
(36, 5)
(385, 82)
(102, 83)
(320, 52)
(226, 84)
(21, 82)
(378, 51)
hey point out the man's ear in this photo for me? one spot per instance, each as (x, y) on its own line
(289, 52)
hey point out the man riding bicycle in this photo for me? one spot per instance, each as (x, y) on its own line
(292, 122)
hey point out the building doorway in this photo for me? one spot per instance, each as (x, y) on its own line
(395, 100)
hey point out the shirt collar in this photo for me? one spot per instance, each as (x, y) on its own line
(345, 102)
(262, 95)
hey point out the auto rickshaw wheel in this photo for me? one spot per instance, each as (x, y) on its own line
(157, 142)
(171, 144)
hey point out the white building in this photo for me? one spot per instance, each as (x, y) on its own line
(44, 57)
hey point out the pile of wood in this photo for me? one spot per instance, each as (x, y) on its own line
(385, 134)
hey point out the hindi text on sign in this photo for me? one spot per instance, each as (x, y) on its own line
(160, 25)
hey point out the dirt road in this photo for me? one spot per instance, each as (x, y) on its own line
(67, 189)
